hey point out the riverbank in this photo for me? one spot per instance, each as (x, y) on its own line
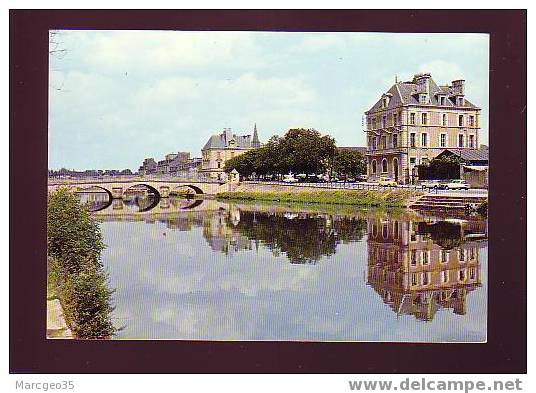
(374, 198)
(56, 323)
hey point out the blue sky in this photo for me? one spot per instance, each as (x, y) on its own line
(117, 97)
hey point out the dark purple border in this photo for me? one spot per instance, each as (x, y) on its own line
(505, 351)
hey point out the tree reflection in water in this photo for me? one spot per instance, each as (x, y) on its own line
(304, 238)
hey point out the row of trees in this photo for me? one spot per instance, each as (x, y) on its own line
(298, 151)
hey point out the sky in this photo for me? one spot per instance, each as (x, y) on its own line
(117, 97)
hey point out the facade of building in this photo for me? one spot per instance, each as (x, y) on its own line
(223, 147)
(415, 121)
(148, 167)
(174, 164)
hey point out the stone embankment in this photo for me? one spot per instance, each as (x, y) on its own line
(56, 325)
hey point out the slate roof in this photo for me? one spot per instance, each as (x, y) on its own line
(405, 93)
(470, 154)
(221, 141)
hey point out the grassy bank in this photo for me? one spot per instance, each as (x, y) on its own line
(75, 273)
(387, 198)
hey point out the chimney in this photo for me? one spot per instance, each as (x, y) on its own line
(423, 84)
(458, 87)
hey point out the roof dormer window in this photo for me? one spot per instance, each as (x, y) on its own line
(423, 99)
(442, 100)
(460, 101)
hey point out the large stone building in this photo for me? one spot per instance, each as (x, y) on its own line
(415, 121)
(223, 147)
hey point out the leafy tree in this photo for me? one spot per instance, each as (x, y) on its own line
(74, 245)
(306, 151)
(349, 163)
(441, 168)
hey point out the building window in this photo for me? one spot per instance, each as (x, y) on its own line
(443, 140)
(384, 121)
(460, 140)
(384, 142)
(460, 120)
(373, 166)
(373, 140)
(424, 139)
(413, 257)
(425, 258)
(412, 160)
(461, 275)
(442, 100)
(426, 278)
(462, 255)
(414, 279)
(395, 140)
(444, 119)
(412, 118)
(472, 273)
(219, 164)
(471, 121)
(472, 253)
(412, 139)
(384, 166)
(395, 119)
(460, 101)
(444, 276)
(424, 118)
(472, 141)
(444, 256)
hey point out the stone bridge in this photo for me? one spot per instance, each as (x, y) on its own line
(161, 187)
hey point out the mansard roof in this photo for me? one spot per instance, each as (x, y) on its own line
(405, 93)
(221, 141)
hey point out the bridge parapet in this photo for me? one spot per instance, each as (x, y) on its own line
(116, 187)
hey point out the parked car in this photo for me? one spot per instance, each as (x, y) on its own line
(289, 179)
(455, 184)
(387, 181)
(431, 184)
(362, 178)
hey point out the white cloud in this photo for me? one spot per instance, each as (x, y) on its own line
(170, 50)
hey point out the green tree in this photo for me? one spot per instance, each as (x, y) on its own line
(441, 168)
(74, 245)
(349, 163)
(306, 151)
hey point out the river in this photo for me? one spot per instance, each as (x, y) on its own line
(211, 270)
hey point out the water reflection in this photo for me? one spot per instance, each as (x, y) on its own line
(205, 269)
(420, 267)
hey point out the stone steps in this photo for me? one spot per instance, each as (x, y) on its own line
(442, 202)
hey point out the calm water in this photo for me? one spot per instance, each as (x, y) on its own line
(208, 270)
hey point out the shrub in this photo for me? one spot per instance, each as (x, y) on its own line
(75, 269)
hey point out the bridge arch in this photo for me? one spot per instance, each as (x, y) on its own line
(191, 186)
(151, 188)
(78, 189)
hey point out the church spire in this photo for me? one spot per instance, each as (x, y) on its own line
(255, 143)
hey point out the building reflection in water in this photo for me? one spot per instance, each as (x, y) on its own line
(421, 267)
